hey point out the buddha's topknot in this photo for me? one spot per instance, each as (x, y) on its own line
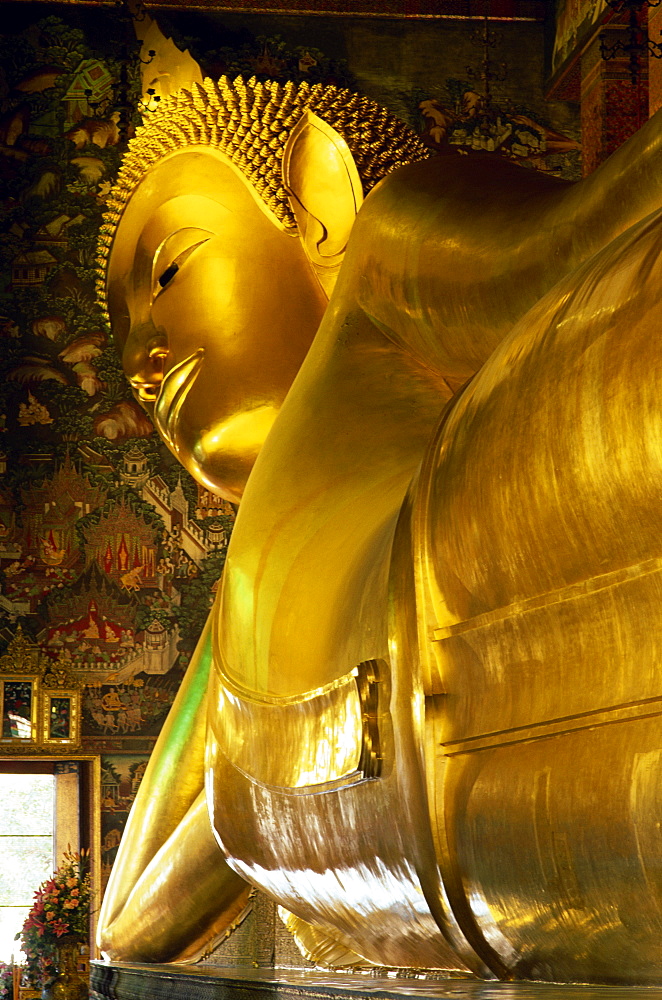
(250, 123)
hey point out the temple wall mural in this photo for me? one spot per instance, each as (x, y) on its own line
(574, 21)
(109, 551)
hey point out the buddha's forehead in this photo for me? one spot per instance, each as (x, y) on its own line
(195, 169)
(197, 187)
(147, 223)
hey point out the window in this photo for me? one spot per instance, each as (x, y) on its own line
(26, 848)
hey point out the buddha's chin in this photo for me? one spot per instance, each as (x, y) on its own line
(226, 478)
(221, 458)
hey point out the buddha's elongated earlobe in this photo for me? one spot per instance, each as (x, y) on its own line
(325, 193)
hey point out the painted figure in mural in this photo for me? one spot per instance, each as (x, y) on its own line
(440, 594)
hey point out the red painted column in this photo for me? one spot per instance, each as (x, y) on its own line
(612, 107)
(654, 65)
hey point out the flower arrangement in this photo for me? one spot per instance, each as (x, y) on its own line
(6, 981)
(60, 913)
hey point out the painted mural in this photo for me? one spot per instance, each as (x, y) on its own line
(463, 121)
(121, 775)
(574, 20)
(108, 550)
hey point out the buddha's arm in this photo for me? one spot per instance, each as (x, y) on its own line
(185, 901)
(168, 859)
(621, 192)
(466, 246)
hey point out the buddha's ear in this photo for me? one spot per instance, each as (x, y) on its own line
(324, 190)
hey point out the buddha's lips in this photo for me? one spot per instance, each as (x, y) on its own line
(174, 390)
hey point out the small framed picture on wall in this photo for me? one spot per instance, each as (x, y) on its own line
(19, 697)
(60, 716)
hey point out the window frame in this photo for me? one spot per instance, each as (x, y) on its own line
(89, 811)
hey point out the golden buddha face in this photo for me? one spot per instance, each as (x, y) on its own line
(213, 306)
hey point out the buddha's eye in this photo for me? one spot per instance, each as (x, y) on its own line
(168, 274)
(163, 275)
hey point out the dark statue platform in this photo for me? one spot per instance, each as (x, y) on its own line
(203, 982)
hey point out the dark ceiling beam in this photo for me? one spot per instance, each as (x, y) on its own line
(500, 10)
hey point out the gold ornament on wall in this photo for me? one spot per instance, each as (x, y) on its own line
(40, 700)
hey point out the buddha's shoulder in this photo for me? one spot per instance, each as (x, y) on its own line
(466, 180)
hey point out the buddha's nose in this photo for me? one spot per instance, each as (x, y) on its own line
(143, 359)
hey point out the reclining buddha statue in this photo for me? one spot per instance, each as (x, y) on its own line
(425, 714)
